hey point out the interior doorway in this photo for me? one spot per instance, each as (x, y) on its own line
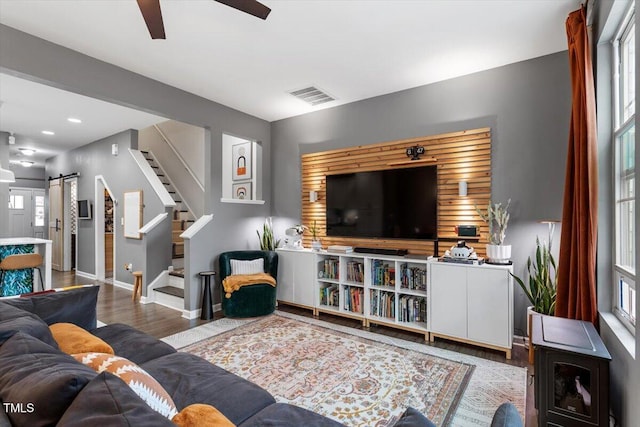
(105, 241)
(108, 235)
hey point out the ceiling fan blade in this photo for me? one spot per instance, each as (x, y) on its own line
(252, 7)
(152, 17)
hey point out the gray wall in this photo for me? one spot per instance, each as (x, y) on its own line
(121, 173)
(527, 106)
(33, 177)
(625, 369)
(39, 60)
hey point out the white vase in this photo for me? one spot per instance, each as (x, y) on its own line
(316, 245)
(499, 254)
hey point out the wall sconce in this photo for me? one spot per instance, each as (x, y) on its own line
(313, 196)
(462, 188)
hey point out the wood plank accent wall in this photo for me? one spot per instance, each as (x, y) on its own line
(460, 156)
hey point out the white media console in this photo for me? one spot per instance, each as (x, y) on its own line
(467, 303)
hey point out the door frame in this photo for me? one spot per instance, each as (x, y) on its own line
(66, 238)
(99, 218)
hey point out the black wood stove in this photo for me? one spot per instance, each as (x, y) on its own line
(571, 373)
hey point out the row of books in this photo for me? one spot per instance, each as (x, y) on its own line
(330, 296)
(331, 269)
(412, 309)
(413, 278)
(382, 274)
(382, 304)
(353, 299)
(355, 271)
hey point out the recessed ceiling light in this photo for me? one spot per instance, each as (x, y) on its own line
(26, 163)
(48, 132)
(74, 120)
(27, 151)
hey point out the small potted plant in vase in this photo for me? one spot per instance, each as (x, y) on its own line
(316, 245)
(497, 217)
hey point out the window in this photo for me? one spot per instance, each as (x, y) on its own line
(39, 212)
(16, 202)
(624, 137)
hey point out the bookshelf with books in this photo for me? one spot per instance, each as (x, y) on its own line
(381, 290)
(339, 290)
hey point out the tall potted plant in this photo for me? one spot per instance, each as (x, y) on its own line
(268, 241)
(497, 217)
(541, 288)
(543, 276)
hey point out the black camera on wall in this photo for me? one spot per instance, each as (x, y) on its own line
(415, 152)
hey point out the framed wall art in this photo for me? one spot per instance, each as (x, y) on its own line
(241, 162)
(242, 190)
(132, 214)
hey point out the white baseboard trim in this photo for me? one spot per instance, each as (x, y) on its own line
(519, 340)
(87, 275)
(123, 285)
(194, 314)
(191, 314)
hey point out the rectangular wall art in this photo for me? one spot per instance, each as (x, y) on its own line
(241, 162)
(242, 190)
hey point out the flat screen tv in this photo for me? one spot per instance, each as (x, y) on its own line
(391, 204)
(84, 209)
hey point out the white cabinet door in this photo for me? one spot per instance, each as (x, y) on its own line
(448, 300)
(296, 277)
(489, 296)
(304, 279)
(286, 276)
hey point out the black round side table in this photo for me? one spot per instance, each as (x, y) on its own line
(207, 305)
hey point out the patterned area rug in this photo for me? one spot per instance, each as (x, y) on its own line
(349, 379)
(491, 383)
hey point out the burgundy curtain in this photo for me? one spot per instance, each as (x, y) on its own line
(576, 297)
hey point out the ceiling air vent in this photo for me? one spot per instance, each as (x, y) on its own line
(312, 95)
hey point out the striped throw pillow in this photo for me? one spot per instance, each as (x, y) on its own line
(247, 267)
(143, 384)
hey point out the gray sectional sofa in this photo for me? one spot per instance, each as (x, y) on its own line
(41, 385)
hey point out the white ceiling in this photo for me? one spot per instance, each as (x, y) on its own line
(28, 108)
(351, 49)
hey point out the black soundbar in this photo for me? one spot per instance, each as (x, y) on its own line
(381, 251)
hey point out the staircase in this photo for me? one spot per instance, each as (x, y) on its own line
(172, 294)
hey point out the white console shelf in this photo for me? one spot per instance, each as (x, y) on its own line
(467, 303)
(378, 289)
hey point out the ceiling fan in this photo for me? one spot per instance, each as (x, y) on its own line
(153, 16)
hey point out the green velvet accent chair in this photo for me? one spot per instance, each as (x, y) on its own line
(253, 300)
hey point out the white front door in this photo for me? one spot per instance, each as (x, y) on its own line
(20, 213)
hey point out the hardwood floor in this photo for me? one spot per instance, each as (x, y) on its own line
(115, 306)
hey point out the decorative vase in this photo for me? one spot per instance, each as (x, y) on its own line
(316, 245)
(499, 254)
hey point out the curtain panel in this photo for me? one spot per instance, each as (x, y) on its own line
(576, 298)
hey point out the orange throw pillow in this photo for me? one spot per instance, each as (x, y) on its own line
(201, 415)
(143, 384)
(73, 339)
